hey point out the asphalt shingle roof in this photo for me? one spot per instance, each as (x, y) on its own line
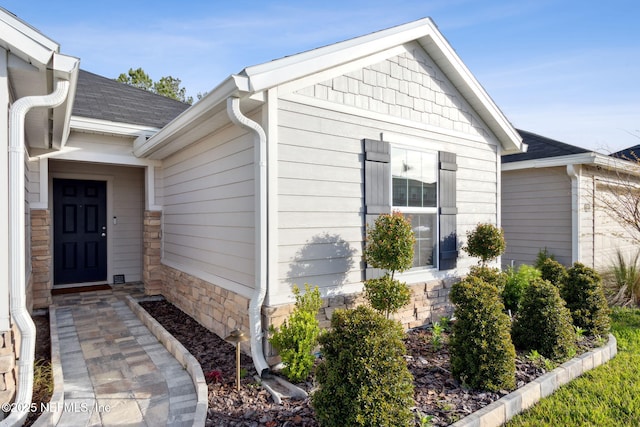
(541, 147)
(102, 98)
(631, 153)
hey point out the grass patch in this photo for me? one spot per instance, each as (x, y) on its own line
(606, 396)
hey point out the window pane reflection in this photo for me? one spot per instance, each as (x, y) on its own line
(414, 178)
(424, 229)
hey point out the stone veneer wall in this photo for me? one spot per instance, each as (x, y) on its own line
(152, 271)
(8, 351)
(222, 311)
(41, 260)
(216, 308)
(429, 302)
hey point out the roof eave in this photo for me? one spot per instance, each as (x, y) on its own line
(274, 73)
(436, 45)
(233, 85)
(589, 158)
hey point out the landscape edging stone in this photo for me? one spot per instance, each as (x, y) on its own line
(502, 410)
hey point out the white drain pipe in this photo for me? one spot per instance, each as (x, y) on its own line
(255, 305)
(17, 263)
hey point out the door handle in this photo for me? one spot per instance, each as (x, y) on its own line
(104, 234)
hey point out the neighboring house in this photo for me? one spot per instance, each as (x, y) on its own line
(266, 182)
(560, 197)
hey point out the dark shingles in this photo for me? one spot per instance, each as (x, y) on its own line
(101, 98)
(631, 153)
(541, 148)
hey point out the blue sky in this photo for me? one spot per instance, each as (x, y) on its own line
(565, 69)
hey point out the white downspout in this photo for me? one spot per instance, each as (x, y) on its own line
(575, 173)
(260, 162)
(17, 263)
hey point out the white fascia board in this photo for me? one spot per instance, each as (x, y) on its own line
(549, 162)
(80, 155)
(233, 85)
(283, 70)
(67, 68)
(448, 60)
(24, 41)
(591, 158)
(84, 124)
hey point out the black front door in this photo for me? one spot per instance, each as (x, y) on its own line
(80, 231)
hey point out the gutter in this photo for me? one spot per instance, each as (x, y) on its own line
(17, 262)
(260, 289)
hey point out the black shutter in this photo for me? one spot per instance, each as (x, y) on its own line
(448, 250)
(377, 185)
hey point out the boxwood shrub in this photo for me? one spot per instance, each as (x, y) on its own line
(553, 272)
(584, 294)
(364, 379)
(544, 323)
(482, 353)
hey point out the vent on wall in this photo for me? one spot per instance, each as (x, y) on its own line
(118, 279)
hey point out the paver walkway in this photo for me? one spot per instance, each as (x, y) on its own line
(116, 372)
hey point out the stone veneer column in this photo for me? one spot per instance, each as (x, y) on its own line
(7, 368)
(152, 269)
(41, 259)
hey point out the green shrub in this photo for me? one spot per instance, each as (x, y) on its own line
(486, 242)
(492, 276)
(584, 294)
(516, 284)
(390, 243)
(386, 295)
(363, 380)
(296, 339)
(544, 323)
(389, 246)
(622, 281)
(553, 272)
(482, 354)
(543, 255)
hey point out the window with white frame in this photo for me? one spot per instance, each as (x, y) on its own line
(421, 185)
(414, 177)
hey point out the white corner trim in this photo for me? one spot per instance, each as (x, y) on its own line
(150, 184)
(575, 173)
(4, 194)
(43, 176)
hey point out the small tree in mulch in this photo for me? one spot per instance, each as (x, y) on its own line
(544, 322)
(486, 242)
(363, 380)
(584, 294)
(389, 247)
(482, 353)
(298, 335)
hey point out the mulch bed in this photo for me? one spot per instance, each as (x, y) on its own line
(437, 394)
(42, 356)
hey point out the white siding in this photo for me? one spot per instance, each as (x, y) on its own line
(127, 205)
(320, 193)
(536, 214)
(208, 200)
(602, 233)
